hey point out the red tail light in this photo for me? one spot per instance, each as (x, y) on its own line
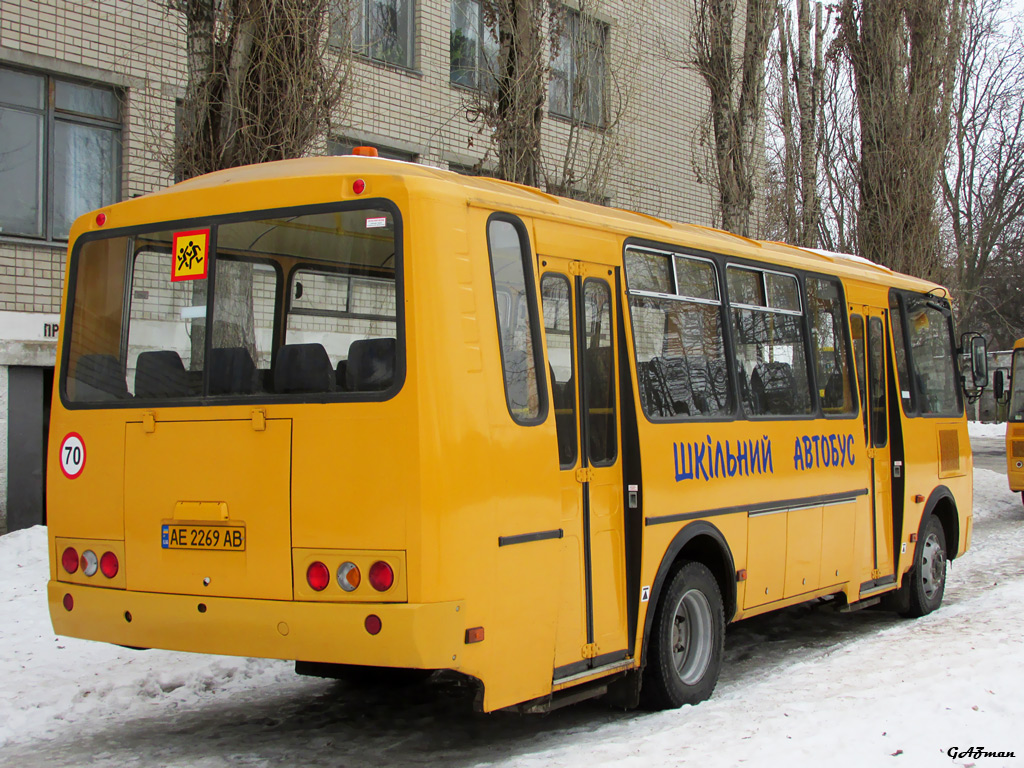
(109, 564)
(381, 576)
(318, 577)
(69, 560)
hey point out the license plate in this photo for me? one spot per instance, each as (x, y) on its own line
(230, 538)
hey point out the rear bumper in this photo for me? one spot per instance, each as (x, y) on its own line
(424, 635)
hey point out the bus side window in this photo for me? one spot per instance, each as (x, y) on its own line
(830, 346)
(768, 329)
(676, 311)
(857, 332)
(509, 255)
(556, 306)
(876, 372)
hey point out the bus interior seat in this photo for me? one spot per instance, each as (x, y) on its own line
(303, 368)
(564, 403)
(161, 374)
(371, 364)
(232, 372)
(833, 398)
(341, 376)
(717, 385)
(773, 388)
(99, 377)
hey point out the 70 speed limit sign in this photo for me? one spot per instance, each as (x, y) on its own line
(72, 455)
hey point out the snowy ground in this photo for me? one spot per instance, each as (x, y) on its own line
(804, 687)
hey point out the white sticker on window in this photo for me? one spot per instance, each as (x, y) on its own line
(376, 222)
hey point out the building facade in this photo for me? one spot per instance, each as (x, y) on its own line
(88, 95)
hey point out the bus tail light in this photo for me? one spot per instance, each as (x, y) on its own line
(318, 577)
(69, 559)
(348, 576)
(109, 565)
(381, 576)
(89, 563)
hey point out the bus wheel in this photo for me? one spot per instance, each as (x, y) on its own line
(687, 641)
(927, 579)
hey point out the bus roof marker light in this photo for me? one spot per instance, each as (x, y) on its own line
(365, 151)
(109, 564)
(373, 624)
(69, 559)
(101, 219)
(381, 576)
(317, 576)
(358, 186)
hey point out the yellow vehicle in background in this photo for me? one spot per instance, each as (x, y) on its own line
(361, 413)
(1014, 419)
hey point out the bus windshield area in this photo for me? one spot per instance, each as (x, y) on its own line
(268, 305)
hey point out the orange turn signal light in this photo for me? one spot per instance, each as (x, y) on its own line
(474, 635)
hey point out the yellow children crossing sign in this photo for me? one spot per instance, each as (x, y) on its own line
(191, 255)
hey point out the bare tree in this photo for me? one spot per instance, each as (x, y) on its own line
(260, 87)
(797, 88)
(735, 79)
(903, 54)
(983, 187)
(508, 98)
(839, 150)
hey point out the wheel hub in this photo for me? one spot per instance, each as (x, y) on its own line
(691, 636)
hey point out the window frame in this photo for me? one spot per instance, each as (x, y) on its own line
(285, 281)
(360, 29)
(573, 33)
(52, 115)
(480, 70)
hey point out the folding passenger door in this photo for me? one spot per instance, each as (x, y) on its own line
(879, 452)
(579, 308)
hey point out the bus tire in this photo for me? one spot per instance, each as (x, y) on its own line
(687, 641)
(926, 581)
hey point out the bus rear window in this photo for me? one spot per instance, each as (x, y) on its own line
(201, 311)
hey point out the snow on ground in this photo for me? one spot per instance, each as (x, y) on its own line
(801, 687)
(978, 429)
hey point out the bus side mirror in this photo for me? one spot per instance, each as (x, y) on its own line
(979, 361)
(998, 385)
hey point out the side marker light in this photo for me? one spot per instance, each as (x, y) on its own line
(69, 602)
(372, 624)
(474, 635)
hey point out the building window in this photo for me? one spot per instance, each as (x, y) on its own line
(474, 47)
(381, 29)
(343, 146)
(578, 69)
(60, 152)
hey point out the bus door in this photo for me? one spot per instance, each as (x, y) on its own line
(579, 310)
(879, 451)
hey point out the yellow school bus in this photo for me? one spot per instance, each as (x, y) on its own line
(365, 414)
(1015, 420)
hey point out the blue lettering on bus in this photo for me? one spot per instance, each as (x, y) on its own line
(817, 451)
(711, 459)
